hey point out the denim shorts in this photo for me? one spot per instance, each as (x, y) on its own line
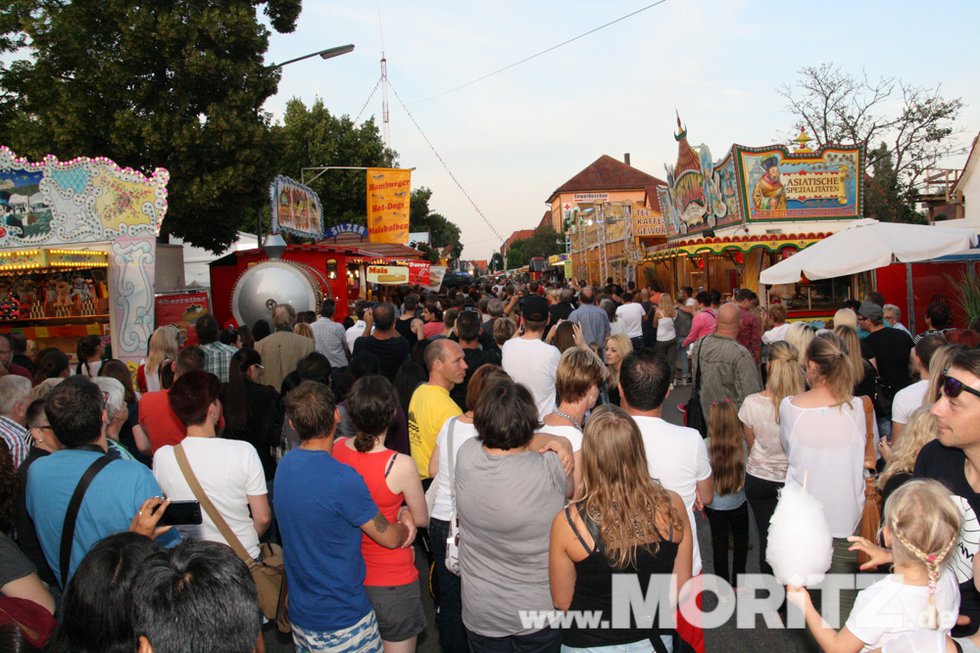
(362, 637)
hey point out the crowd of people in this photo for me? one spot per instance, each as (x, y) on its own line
(511, 433)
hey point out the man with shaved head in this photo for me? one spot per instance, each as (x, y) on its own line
(431, 404)
(384, 343)
(728, 370)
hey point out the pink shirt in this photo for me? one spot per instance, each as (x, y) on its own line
(704, 324)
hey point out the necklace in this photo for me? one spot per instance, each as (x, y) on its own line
(571, 419)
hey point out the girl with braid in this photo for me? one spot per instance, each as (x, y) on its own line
(921, 527)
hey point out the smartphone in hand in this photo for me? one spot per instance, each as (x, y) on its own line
(182, 513)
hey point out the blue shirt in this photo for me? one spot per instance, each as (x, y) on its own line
(320, 505)
(594, 322)
(111, 501)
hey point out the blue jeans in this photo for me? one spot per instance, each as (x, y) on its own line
(547, 640)
(452, 634)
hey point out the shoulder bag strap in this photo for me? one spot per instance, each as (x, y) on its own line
(68, 529)
(202, 498)
(449, 452)
(697, 377)
(869, 446)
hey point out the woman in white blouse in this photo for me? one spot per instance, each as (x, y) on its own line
(823, 432)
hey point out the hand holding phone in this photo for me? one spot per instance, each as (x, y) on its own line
(182, 513)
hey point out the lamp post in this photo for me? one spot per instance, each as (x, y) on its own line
(276, 245)
(329, 53)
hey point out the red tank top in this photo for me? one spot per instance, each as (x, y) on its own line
(385, 567)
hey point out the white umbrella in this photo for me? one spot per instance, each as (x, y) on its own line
(868, 244)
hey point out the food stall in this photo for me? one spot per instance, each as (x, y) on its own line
(77, 251)
(728, 220)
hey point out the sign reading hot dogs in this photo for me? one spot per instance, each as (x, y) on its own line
(389, 191)
(387, 275)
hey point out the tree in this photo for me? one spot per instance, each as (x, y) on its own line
(178, 85)
(496, 262)
(545, 242)
(443, 233)
(312, 137)
(883, 196)
(837, 107)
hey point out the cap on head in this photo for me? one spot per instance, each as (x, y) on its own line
(871, 311)
(535, 309)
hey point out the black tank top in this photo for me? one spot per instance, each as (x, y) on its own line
(593, 590)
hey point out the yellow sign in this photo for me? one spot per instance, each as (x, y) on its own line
(387, 275)
(388, 193)
(807, 185)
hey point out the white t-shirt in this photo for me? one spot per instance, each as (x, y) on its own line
(534, 363)
(229, 472)
(678, 458)
(827, 445)
(354, 333)
(889, 609)
(907, 400)
(631, 317)
(767, 460)
(442, 508)
(572, 434)
(665, 329)
(775, 334)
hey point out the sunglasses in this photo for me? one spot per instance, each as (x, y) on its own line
(953, 387)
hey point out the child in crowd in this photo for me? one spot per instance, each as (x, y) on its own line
(921, 527)
(728, 512)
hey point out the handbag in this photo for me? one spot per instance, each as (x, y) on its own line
(269, 573)
(693, 413)
(871, 516)
(452, 539)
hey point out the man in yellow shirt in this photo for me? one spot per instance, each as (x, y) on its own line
(431, 405)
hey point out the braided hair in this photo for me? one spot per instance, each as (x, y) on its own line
(925, 526)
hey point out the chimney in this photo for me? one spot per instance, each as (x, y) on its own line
(626, 158)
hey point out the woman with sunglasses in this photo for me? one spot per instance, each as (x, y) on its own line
(824, 432)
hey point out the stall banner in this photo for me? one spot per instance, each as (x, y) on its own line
(346, 228)
(388, 194)
(295, 208)
(436, 275)
(418, 272)
(700, 194)
(648, 223)
(387, 275)
(822, 185)
(182, 309)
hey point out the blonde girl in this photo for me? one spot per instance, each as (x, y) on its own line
(625, 523)
(940, 362)
(922, 428)
(663, 321)
(800, 335)
(921, 527)
(765, 469)
(163, 347)
(618, 346)
(728, 513)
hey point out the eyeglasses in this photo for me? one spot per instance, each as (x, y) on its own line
(953, 387)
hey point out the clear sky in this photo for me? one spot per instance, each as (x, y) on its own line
(512, 139)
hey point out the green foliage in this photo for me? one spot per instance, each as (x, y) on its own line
(883, 196)
(311, 137)
(545, 242)
(443, 233)
(967, 295)
(177, 84)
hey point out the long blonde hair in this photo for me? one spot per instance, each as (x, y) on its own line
(617, 491)
(850, 339)
(922, 428)
(833, 368)
(925, 525)
(942, 358)
(163, 346)
(726, 449)
(666, 305)
(625, 347)
(786, 376)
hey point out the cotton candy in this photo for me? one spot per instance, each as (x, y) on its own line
(800, 545)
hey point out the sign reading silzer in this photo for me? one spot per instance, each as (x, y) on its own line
(389, 191)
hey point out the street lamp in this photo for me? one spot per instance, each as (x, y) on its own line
(329, 53)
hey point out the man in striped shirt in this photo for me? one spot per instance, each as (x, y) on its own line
(15, 397)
